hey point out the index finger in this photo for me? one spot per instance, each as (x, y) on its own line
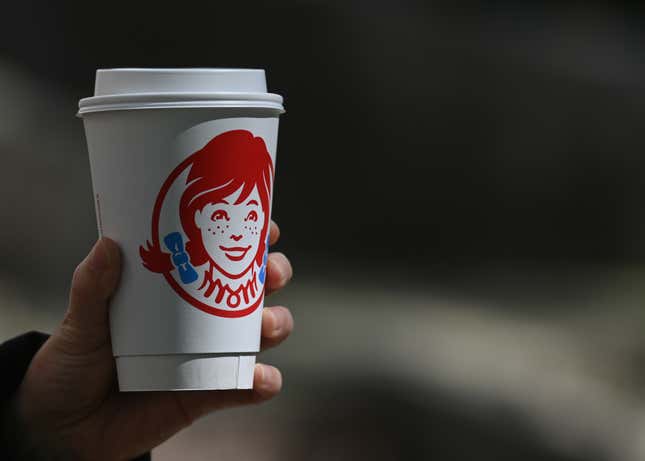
(274, 233)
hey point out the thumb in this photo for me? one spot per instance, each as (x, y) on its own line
(86, 324)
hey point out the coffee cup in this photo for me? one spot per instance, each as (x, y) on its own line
(182, 164)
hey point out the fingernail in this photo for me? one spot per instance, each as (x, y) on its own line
(283, 268)
(277, 324)
(98, 259)
(270, 378)
(260, 371)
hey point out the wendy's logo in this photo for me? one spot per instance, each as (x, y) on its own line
(210, 225)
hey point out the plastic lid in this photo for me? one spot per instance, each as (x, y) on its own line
(131, 88)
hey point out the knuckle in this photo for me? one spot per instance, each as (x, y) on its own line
(77, 275)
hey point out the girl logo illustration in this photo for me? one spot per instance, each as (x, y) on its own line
(220, 196)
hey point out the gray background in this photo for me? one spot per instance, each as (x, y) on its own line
(505, 137)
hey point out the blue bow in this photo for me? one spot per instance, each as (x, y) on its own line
(263, 270)
(175, 244)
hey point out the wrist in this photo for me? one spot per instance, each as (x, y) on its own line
(24, 440)
(15, 442)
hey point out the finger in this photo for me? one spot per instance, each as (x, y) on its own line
(162, 414)
(180, 408)
(277, 325)
(274, 233)
(279, 272)
(93, 282)
(267, 382)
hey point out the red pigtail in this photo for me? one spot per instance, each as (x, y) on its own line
(154, 259)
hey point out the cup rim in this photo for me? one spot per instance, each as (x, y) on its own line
(228, 99)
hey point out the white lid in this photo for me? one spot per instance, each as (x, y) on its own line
(131, 88)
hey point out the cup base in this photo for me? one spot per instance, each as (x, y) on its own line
(184, 372)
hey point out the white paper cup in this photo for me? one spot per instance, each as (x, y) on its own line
(182, 164)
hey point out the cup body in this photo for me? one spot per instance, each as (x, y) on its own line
(186, 193)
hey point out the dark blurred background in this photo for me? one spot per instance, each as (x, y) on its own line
(458, 189)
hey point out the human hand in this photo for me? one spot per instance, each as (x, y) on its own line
(69, 406)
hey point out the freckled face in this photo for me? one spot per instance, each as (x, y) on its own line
(231, 233)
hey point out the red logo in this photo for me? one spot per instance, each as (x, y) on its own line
(210, 225)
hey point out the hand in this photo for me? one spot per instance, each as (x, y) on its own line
(69, 405)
